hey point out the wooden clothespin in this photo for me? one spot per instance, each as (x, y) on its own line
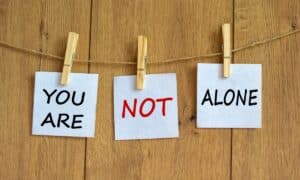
(69, 56)
(141, 62)
(227, 54)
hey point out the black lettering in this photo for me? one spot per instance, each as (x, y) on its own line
(225, 97)
(81, 101)
(49, 95)
(207, 97)
(252, 97)
(63, 120)
(48, 119)
(241, 98)
(78, 121)
(58, 101)
(216, 98)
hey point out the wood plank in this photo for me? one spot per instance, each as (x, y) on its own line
(174, 29)
(40, 25)
(271, 152)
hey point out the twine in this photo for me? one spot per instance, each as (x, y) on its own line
(172, 60)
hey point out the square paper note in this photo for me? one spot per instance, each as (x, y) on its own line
(148, 113)
(68, 110)
(233, 102)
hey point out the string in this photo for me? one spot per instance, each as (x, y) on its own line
(172, 60)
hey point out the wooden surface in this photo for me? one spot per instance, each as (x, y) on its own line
(274, 151)
(108, 31)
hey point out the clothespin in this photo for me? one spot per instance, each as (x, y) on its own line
(227, 54)
(69, 56)
(141, 62)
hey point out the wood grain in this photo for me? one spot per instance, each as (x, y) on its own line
(41, 25)
(174, 29)
(108, 31)
(272, 152)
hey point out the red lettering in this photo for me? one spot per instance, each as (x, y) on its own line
(151, 110)
(126, 106)
(163, 100)
(151, 102)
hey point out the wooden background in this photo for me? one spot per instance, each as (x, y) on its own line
(175, 28)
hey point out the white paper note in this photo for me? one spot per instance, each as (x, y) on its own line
(233, 102)
(68, 110)
(148, 113)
